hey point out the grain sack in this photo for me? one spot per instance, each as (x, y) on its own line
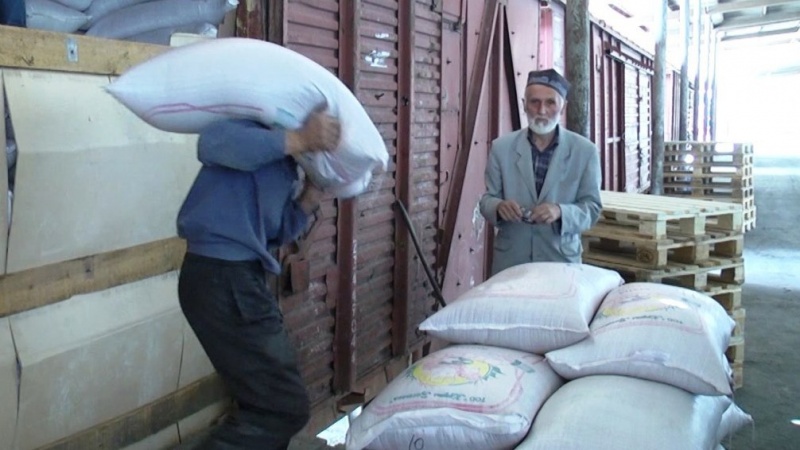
(100, 8)
(534, 307)
(78, 5)
(614, 413)
(186, 88)
(733, 420)
(460, 397)
(144, 17)
(162, 36)
(52, 16)
(656, 332)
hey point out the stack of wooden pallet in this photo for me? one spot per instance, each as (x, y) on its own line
(685, 242)
(712, 171)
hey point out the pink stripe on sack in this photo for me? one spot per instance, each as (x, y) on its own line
(175, 108)
(513, 396)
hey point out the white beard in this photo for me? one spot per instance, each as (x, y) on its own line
(540, 128)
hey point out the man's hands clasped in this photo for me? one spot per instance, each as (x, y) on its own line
(545, 213)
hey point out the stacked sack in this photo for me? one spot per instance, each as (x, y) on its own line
(187, 88)
(486, 396)
(652, 374)
(640, 365)
(150, 21)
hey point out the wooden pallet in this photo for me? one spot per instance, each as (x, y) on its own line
(719, 193)
(707, 158)
(738, 315)
(727, 295)
(749, 219)
(735, 352)
(721, 180)
(652, 215)
(691, 276)
(703, 148)
(679, 169)
(652, 254)
(738, 375)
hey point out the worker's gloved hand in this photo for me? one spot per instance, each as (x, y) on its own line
(320, 131)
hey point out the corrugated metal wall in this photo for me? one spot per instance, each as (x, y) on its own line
(426, 144)
(313, 30)
(607, 109)
(621, 92)
(377, 89)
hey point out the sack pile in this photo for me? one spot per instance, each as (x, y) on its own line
(186, 88)
(640, 365)
(149, 21)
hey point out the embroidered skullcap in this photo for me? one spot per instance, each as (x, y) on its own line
(550, 78)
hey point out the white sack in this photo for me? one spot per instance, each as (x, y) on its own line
(157, 14)
(733, 420)
(78, 5)
(186, 88)
(615, 413)
(656, 332)
(457, 398)
(52, 16)
(100, 8)
(162, 36)
(534, 307)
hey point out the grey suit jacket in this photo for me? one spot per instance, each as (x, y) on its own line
(573, 182)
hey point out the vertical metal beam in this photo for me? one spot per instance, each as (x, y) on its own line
(473, 96)
(686, 29)
(659, 99)
(577, 48)
(344, 355)
(698, 44)
(497, 59)
(276, 21)
(713, 103)
(403, 267)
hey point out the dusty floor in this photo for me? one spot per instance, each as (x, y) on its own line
(771, 297)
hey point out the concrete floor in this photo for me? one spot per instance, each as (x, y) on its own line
(771, 297)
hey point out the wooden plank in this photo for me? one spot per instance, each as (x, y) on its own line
(46, 50)
(33, 288)
(693, 276)
(738, 375)
(147, 420)
(735, 351)
(679, 247)
(738, 316)
(657, 207)
(727, 295)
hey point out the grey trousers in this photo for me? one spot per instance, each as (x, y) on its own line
(238, 322)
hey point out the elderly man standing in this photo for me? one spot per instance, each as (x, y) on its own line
(542, 182)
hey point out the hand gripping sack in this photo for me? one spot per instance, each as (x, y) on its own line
(657, 332)
(533, 307)
(188, 87)
(615, 412)
(460, 397)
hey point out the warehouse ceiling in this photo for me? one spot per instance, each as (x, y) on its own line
(764, 35)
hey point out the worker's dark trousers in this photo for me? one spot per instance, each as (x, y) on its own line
(236, 317)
